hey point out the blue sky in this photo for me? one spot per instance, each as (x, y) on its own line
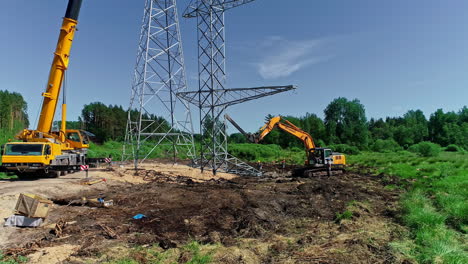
(392, 55)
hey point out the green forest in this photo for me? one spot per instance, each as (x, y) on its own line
(346, 126)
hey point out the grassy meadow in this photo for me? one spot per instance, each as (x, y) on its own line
(434, 205)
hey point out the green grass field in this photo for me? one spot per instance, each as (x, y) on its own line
(434, 206)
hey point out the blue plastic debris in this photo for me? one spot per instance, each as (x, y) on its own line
(139, 216)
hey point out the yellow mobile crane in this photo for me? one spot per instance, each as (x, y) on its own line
(43, 151)
(318, 159)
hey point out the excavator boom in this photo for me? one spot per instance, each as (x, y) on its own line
(290, 128)
(297, 132)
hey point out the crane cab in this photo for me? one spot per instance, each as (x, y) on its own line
(27, 156)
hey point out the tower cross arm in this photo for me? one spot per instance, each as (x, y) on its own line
(232, 96)
(197, 7)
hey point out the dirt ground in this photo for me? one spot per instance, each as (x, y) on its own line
(347, 218)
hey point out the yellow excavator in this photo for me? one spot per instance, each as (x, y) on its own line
(319, 160)
(43, 151)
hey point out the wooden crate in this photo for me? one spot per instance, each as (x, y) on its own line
(31, 205)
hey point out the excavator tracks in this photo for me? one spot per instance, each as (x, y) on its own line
(317, 172)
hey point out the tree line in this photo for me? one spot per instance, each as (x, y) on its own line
(345, 122)
(13, 111)
(109, 122)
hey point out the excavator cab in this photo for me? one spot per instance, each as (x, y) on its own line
(323, 156)
(319, 157)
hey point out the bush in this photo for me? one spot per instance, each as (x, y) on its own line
(255, 152)
(426, 149)
(345, 148)
(453, 148)
(320, 143)
(385, 145)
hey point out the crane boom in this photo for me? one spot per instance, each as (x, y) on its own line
(57, 70)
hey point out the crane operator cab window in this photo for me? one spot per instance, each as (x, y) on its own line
(74, 136)
(317, 157)
(85, 137)
(321, 156)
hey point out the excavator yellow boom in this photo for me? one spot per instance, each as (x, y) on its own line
(289, 127)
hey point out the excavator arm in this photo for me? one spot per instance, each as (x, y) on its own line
(282, 124)
(297, 132)
(267, 128)
(288, 127)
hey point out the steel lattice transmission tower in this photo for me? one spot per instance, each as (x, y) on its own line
(156, 117)
(212, 97)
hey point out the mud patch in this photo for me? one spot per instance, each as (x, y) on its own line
(264, 220)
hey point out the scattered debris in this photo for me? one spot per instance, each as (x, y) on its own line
(108, 203)
(59, 226)
(91, 181)
(30, 211)
(139, 216)
(109, 231)
(33, 206)
(24, 250)
(97, 202)
(23, 221)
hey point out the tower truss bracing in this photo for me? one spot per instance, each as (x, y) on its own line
(214, 152)
(212, 96)
(157, 119)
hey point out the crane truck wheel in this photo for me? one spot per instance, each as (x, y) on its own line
(24, 175)
(53, 174)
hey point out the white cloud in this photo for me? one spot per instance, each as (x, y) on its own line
(284, 57)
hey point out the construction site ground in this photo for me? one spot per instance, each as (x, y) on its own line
(347, 218)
